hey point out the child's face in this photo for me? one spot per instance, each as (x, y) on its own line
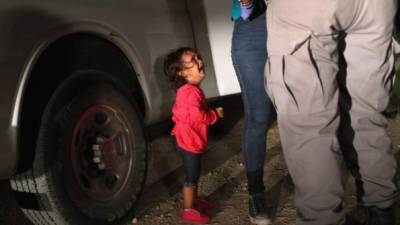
(192, 68)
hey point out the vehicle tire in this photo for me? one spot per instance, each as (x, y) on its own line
(90, 159)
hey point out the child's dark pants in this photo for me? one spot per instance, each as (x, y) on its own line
(192, 166)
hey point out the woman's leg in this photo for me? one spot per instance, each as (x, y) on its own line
(249, 57)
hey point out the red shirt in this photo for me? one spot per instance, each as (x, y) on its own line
(192, 118)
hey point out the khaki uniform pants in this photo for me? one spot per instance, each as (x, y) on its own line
(329, 75)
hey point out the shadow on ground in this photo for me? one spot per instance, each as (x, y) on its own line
(10, 214)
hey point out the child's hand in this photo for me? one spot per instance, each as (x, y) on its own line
(220, 112)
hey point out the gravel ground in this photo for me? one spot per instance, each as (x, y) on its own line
(226, 187)
(223, 182)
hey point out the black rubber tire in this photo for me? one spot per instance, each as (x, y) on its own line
(47, 192)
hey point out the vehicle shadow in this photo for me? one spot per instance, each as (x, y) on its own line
(10, 213)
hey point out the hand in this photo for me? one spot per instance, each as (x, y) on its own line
(220, 112)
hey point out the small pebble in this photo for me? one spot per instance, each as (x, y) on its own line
(134, 221)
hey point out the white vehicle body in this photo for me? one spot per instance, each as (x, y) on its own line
(143, 30)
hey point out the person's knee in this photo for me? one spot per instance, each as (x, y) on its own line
(259, 120)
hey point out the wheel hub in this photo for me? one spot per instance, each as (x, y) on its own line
(100, 159)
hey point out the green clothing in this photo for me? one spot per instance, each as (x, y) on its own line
(236, 11)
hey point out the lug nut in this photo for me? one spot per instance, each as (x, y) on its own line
(97, 153)
(99, 139)
(111, 180)
(100, 118)
(101, 166)
(96, 159)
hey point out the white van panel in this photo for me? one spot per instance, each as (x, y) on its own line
(220, 29)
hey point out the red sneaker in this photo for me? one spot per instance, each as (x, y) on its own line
(202, 205)
(194, 216)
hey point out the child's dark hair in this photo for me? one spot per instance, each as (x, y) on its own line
(172, 66)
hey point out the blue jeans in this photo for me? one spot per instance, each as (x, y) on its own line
(249, 55)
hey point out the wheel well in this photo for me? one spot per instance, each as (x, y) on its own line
(63, 58)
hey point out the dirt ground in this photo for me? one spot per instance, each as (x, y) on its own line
(222, 182)
(226, 186)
